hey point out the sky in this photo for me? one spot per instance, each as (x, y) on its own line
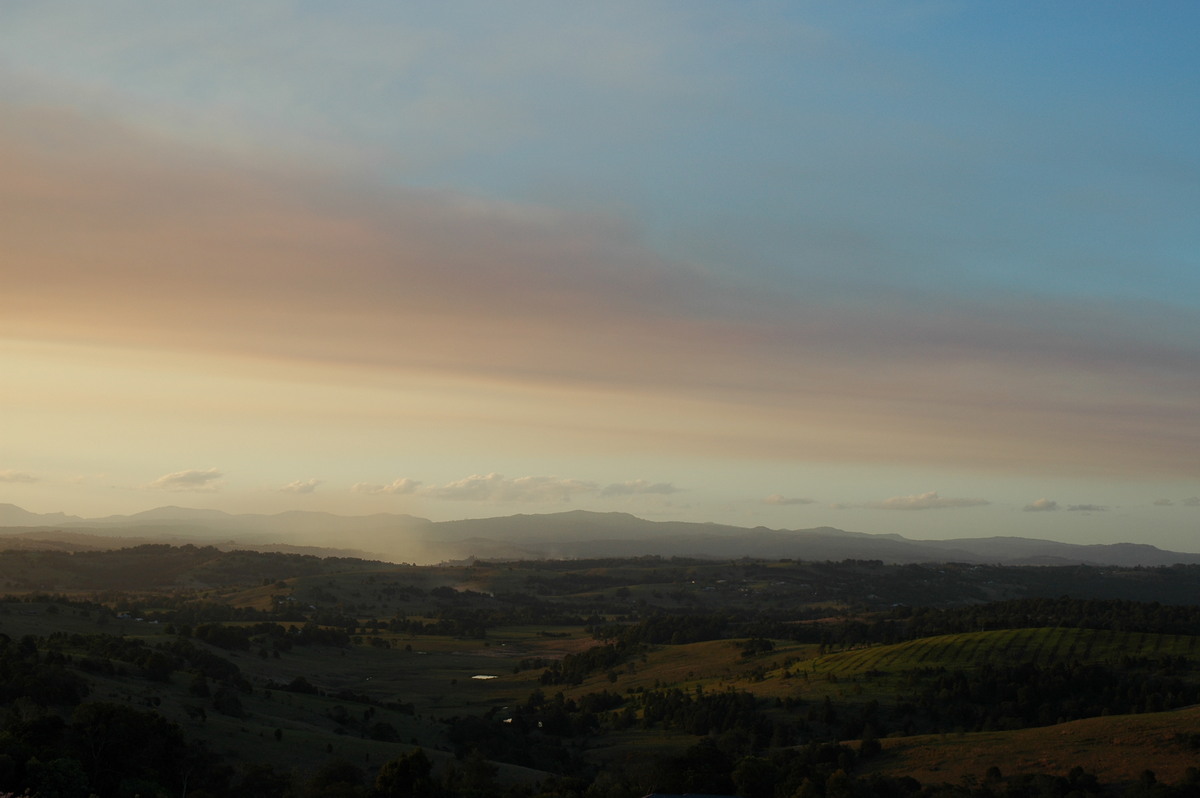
(927, 268)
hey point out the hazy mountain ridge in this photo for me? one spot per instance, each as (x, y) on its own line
(573, 534)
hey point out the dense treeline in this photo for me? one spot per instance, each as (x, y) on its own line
(702, 714)
(910, 623)
(450, 625)
(160, 565)
(106, 749)
(43, 680)
(673, 629)
(1014, 697)
(271, 636)
(574, 668)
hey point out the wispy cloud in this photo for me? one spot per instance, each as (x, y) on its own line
(301, 486)
(498, 488)
(1193, 501)
(190, 480)
(494, 487)
(403, 485)
(9, 475)
(780, 499)
(1049, 505)
(638, 486)
(923, 501)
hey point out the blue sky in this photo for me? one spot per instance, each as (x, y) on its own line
(506, 256)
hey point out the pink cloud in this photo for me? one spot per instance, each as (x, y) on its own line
(177, 249)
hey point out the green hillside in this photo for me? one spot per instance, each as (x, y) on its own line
(1039, 646)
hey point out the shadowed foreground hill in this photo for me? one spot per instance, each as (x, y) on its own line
(1116, 748)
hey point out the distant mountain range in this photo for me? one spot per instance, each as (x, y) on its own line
(569, 535)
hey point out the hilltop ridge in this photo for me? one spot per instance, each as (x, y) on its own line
(566, 535)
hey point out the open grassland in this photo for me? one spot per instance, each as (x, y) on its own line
(1116, 748)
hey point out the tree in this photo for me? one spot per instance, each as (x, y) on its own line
(807, 789)
(839, 785)
(477, 777)
(755, 777)
(406, 776)
(199, 686)
(301, 685)
(337, 778)
(115, 742)
(58, 778)
(263, 781)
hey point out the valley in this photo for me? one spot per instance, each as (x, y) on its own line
(603, 677)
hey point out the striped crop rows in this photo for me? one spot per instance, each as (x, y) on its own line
(1041, 646)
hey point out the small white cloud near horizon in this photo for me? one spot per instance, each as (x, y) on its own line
(781, 500)
(920, 501)
(1163, 503)
(1041, 506)
(200, 480)
(497, 487)
(8, 475)
(399, 486)
(1194, 501)
(1086, 508)
(301, 486)
(639, 486)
